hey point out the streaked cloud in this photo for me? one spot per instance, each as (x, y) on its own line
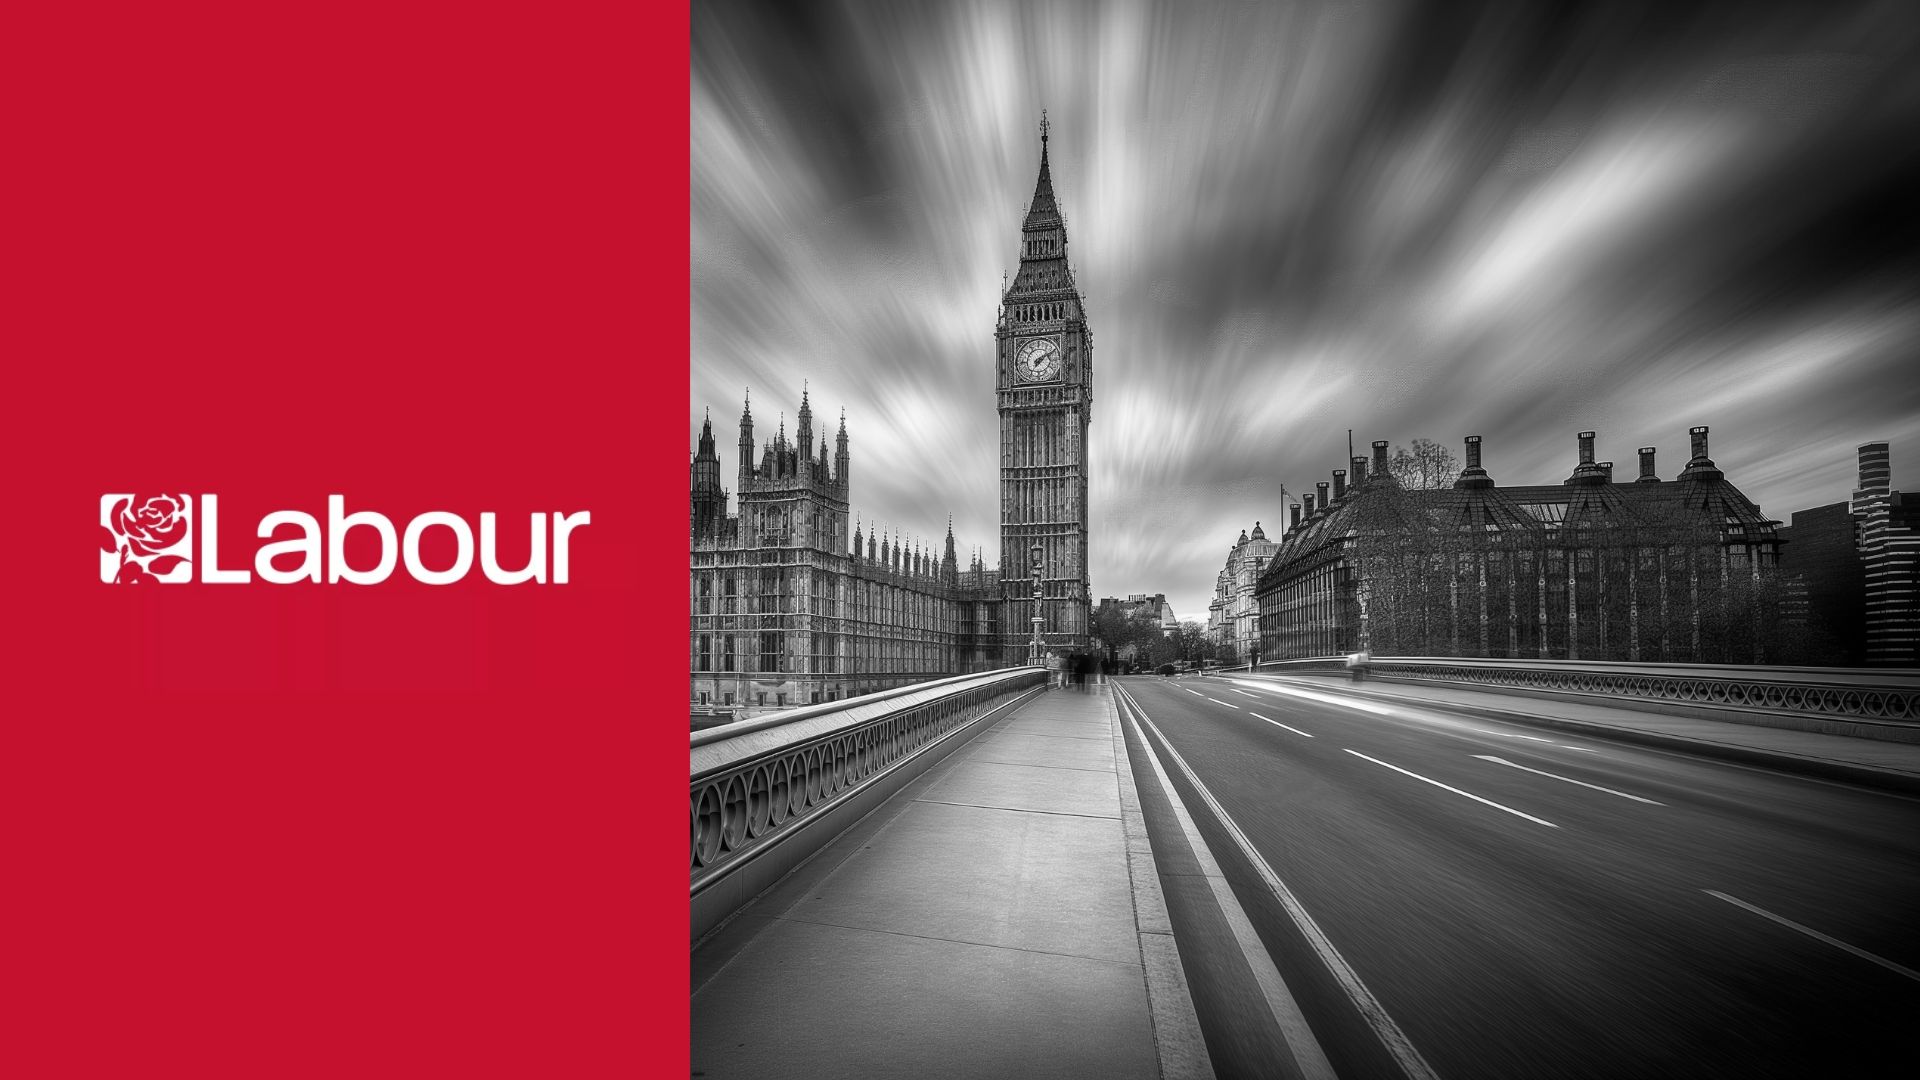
(1291, 220)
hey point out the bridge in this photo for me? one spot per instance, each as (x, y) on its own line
(1459, 868)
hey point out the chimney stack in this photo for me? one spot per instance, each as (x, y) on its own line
(1473, 476)
(1339, 484)
(1646, 467)
(1307, 502)
(1587, 472)
(1321, 487)
(1380, 457)
(1700, 466)
(1359, 471)
(1606, 467)
(1294, 510)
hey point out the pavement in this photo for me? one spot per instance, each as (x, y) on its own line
(1889, 766)
(1000, 916)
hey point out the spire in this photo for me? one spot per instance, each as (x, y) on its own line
(746, 439)
(806, 421)
(1044, 211)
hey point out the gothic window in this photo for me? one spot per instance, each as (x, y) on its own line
(706, 653)
(770, 650)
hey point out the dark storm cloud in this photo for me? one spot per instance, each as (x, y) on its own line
(1517, 221)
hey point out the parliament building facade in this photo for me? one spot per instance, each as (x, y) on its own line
(793, 603)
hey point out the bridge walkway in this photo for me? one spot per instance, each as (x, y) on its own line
(1000, 916)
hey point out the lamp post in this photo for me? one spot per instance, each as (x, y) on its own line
(1033, 655)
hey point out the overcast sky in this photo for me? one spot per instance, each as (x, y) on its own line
(1289, 220)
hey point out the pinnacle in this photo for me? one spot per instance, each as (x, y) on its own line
(1044, 210)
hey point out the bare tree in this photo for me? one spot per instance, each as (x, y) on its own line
(1428, 465)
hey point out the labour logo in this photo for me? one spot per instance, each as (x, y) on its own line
(146, 538)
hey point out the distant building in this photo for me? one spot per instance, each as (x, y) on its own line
(1233, 617)
(1825, 586)
(1139, 613)
(1679, 570)
(1889, 532)
(1853, 568)
(1146, 605)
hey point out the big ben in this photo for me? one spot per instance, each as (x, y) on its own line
(1044, 382)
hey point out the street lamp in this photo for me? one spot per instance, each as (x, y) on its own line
(1033, 655)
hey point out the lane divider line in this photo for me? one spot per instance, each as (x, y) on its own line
(1285, 1009)
(1456, 790)
(1396, 1042)
(1568, 779)
(1277, 723)
(1217, 701)
(1812, 933)
(1243, 693)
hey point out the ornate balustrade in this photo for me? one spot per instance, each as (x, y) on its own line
(759, 784)
(1887, 699)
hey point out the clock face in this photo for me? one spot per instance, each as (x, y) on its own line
(1038, 360)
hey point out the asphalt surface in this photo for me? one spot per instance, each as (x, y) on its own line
(1524, 903)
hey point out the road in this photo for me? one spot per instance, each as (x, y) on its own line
(1463, 897)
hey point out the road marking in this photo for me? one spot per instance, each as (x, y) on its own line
(1243, 693)
(1277, 723)
(1812, 933)
(1195, 693)
(1298, 1036)
(1217, 701)
(1456, 790)
(1568, 779)
(1396, 1042)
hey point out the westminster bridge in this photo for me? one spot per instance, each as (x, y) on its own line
(1449, 868)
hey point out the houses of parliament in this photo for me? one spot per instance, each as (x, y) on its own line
(791, 607)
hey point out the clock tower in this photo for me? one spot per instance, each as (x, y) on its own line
(1044, 380)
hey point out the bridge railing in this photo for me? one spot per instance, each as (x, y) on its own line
(1882, 703)
(765, 793)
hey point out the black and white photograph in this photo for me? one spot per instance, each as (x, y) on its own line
(1343, 539)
